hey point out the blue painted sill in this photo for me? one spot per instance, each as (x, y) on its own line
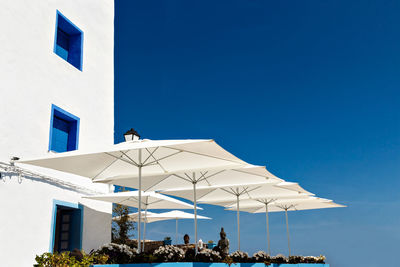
(204, 264)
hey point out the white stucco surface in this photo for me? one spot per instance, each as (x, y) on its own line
(32, 78)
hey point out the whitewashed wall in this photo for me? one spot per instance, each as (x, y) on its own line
(32, 77)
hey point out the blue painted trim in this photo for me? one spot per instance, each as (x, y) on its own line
(68, 117)
(58, 14)
(205, 264)
(54, 216)
(80, 206)
(55, 35)
(81, 54)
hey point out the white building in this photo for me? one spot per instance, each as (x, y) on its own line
(57, 94)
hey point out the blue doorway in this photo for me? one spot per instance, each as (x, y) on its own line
(66, 227)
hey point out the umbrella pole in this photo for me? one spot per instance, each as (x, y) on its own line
(266, 212)
(140, 201)
(287, 230)
(144, 228)
(238, 220)
(195, 217)
(176, 232)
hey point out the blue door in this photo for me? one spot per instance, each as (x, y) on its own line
(68, 229)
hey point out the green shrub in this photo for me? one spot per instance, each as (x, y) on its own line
(279, 259)
(169, 253)
(239, 256)
(117, 253)
(261, 256)
(208, 255)
(65, 259)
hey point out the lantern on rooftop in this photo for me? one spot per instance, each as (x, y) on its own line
(131, 135)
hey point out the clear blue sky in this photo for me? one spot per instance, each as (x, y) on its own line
(308, 88)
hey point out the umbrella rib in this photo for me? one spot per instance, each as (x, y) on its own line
(232, 192)
(205, 178)
(202, 177)
(205, 155)
(208, 183)
(215, 174)
(156, 201)
(158, 182)
(122, 159)
(248, 191)
(150, 154)
(205, 194)
(134, 162)
(157, 160)
(188, 176)
(248, 194)
(108, 166)
(135, 199)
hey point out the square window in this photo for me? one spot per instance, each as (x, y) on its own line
(64, 130)
(68, 41)
(64, 227)
(64, 245)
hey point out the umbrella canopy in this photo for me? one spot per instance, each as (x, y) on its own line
(178, 215)
(150, 200)
(226, 194)
(169, 215)
(147, 217)
(276, 205)
(156, 157)
(206, 178)
(141, 158)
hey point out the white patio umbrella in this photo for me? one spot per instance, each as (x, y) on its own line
(189, 181)
(258, 200)
(140, 158)
(179, 215)
(150, 200)
(147, 217)
(176, 215)
(224, 194)
(278, 205)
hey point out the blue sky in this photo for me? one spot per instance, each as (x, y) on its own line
(307, 88)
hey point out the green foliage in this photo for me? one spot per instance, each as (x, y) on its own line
(144, 258)
(117, 253)
(122, 227)
(169, 253)
(239, 256)
(228, 260)
(208, 255)
(64, 259)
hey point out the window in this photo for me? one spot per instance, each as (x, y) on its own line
(68, 41)
(64, 130)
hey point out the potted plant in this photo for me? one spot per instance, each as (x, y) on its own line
(167, 240)
(210, 244)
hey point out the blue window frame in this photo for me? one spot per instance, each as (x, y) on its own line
(68, 41)
(64, 130)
